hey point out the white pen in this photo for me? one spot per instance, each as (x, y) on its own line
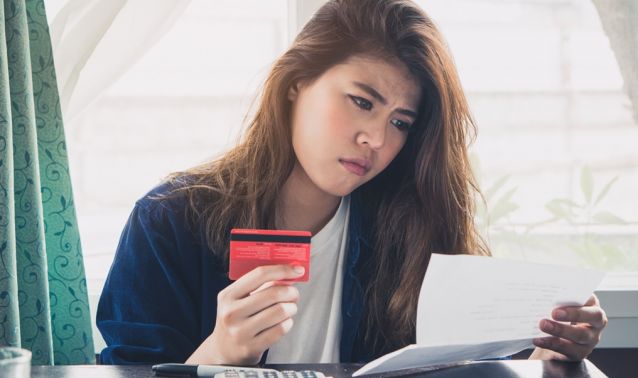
(176, 370)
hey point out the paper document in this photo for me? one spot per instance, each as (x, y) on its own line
(478, 307)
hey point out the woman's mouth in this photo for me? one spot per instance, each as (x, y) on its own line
(359, 167)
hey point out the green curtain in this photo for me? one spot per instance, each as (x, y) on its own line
(43, 297)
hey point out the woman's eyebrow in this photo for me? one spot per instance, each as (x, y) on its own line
(374, 93)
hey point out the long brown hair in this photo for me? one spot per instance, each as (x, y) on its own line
(423, 201)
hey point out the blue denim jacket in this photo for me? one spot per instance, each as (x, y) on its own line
(159, 302)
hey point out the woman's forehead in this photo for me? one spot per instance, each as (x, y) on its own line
(388, 76)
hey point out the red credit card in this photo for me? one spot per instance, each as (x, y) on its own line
(250, 249)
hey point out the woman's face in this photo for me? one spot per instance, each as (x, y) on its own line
(351, 122)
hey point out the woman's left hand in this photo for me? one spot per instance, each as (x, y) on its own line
(575, 341)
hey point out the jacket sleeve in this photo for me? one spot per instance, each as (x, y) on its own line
(148, 310)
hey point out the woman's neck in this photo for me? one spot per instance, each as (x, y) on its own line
(303, 206)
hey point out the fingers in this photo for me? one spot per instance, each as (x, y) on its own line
(271, 335)
(231, 312)
(270, 317)
(254, 279)
(270, 284)
(265, 298)
(576, 340)
(591, 314)
(592, 301)
(579, 334)
(570, 351)
(254, 312)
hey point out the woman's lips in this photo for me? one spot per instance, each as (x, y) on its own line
(357, 166)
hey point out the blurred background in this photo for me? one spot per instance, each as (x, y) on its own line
(145, 95)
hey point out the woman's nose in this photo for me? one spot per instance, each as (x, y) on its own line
(372, 134)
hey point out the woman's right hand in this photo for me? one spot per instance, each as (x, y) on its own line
(251, 316)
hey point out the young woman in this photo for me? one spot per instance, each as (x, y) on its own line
(360, 137)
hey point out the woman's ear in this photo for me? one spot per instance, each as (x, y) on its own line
(293, 92)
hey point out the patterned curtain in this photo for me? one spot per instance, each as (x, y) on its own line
(43, 297)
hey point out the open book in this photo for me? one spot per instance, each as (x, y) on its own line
(476, 307)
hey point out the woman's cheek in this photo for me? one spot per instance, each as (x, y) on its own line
(339, 121)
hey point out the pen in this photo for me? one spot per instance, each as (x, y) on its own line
(181, 370)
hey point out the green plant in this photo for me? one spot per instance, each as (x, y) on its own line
(588, 210)
(593, 249)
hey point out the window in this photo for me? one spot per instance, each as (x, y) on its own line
(556, 150)
(181, 103)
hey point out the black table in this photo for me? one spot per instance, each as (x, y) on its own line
(504, 369)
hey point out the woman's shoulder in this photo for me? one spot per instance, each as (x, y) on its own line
(168, 194)
(171, 200)
(178, 198)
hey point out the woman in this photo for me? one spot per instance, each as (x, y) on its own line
(360, 137)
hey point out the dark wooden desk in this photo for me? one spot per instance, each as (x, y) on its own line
(500, 369)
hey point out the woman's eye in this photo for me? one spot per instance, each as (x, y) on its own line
(361, 102)
(403, 126)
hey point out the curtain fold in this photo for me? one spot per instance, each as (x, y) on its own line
(95, 42)
(619, 19)
(43, 297)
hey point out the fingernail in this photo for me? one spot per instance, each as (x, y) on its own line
(299, 270)
(539, 342)
(548, 326)
(560, 315)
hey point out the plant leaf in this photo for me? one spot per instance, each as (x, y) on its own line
(603, 192)
(607, 217)
(501, 210)
(567, 202)
(503, 206)
(559, 208)
(587, 183)
(489, 193)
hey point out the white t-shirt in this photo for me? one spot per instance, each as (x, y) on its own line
(316, 333)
